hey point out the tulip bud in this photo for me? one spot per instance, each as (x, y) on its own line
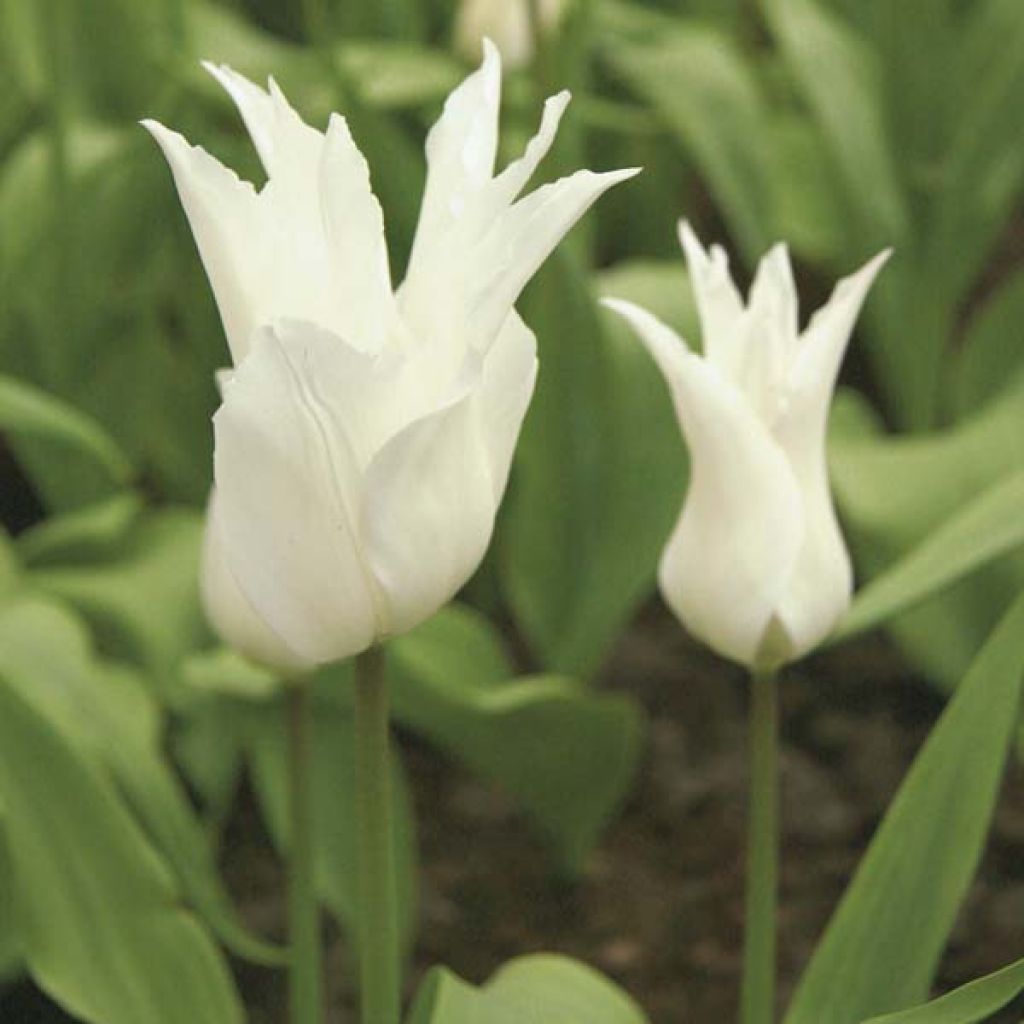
(365, 436)
(507, 23)
(756, 566)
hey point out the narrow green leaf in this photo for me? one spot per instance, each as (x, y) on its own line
(98, 913)
(566, 754)
(988, 526)
(972, 1002)
(881, 948)
(839, 76)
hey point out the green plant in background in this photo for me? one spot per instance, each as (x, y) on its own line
(843, 127)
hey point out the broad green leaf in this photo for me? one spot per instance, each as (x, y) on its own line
(568, 755)
(144, 602)
(10, 942)
(98, 914)
(106, 711)
(987, 527)
(972, 1002)
(702, 86)
(398, 75)
(26, 411)
(541, 989)
(574, 568)
(881, 948)
(334, 801)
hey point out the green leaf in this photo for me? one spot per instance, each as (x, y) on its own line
(972, 1002)
(991, 356)
(566, 754)
(87, 534)
(97, 912)
(881, 948)
(702, 86)
(144, 602)
(840, 80)
(987, 527)
(575, 569)
(26, 411)
(399, 75)
(106, 711)
(541, 989)
(334, 802)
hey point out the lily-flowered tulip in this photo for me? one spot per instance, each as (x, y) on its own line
(508, 23)
(365, 436)
(756, 566)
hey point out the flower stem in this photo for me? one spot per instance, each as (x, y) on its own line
(380, 973)
(758, 993)
(306, 969)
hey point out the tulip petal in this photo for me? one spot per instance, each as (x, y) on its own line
(287, 146)
(733, 550)
(356, 245)
(523, 238)
(461, 149)
(231, 613)
(287, 486)
(232, 229)
(819, 591)
(428, 511)
(718, 302)
(509, 376)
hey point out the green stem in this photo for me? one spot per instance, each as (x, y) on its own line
(758, 993)
(306, 968)
(380, 973)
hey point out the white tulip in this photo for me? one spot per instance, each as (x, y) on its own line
(365, 436)
(507, 23)
(756, 566)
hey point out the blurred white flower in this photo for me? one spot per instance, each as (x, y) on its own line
(365, 435)
(756, 566)
(507, 23)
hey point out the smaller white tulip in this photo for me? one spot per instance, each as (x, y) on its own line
(507, 23)
(756, 566)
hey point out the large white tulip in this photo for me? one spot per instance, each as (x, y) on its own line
(756, 566)
(365, 435)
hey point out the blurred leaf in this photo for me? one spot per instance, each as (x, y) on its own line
(991, 357)
(334, 803)
(985, 528)
(894, 491)
(567, 755)
(703, 87)
(88, 533)
(399, 75)
(98, 913)
(26, 411)
(223, 672)
(144, 601)
(839, 77)
(983, 171)
(111, 718)
(544, 989)
(574, 568)
(10, 941)
(881, 948)
(972, 1002)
